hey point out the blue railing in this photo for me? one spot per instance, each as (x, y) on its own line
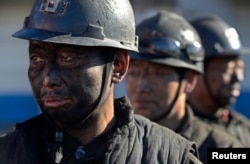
(17, 108)
(243, 103)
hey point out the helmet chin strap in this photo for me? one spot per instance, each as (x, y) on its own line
(210, 90)
(181, 74)
(105, 77)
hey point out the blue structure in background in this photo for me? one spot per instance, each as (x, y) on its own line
(243, 103)
(17, 108)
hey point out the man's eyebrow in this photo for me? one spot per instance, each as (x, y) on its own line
(37, 47)
(35, 44)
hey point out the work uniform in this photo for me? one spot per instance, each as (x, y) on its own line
(133, 140)
(205, 135)
(232, 122)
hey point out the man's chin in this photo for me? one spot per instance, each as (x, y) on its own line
(232, 100)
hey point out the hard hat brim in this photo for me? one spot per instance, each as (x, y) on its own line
(241, 51)
(66, 38)
(229, 53)
(169, 61)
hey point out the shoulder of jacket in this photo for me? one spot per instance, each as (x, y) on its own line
(9, 140)
(165, 137)
(238, 117)
(217, 136)
(16, 133)
(154, 129)
(224, 139)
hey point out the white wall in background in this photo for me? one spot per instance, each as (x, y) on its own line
(13, 52)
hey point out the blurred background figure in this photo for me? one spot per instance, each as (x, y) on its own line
(235, 12)
(162, 75)
(220, 85)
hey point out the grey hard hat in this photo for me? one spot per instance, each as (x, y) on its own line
(168, 38)
(82, 22)
(219, 39)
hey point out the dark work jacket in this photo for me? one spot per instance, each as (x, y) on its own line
(134, 140)
(237, 124)
(205, 135)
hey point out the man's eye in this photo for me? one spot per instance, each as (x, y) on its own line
(65, 58)
(37, 59)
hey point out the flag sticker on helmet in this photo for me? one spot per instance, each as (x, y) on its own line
(57, 7)
(233, 38)
(187, 34)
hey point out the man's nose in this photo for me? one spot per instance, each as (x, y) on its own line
(143, 83)
(51, 77)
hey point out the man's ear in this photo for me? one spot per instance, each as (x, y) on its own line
(191, 78)
(120, 66)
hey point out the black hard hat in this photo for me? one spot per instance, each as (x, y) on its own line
(219, 39)
(167, 38)
(82, 22)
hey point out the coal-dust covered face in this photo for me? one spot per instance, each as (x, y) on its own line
(66, 80)
(151, 87)
(224, 76)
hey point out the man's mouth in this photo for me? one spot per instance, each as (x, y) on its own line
(142, 103)
(55, 101)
